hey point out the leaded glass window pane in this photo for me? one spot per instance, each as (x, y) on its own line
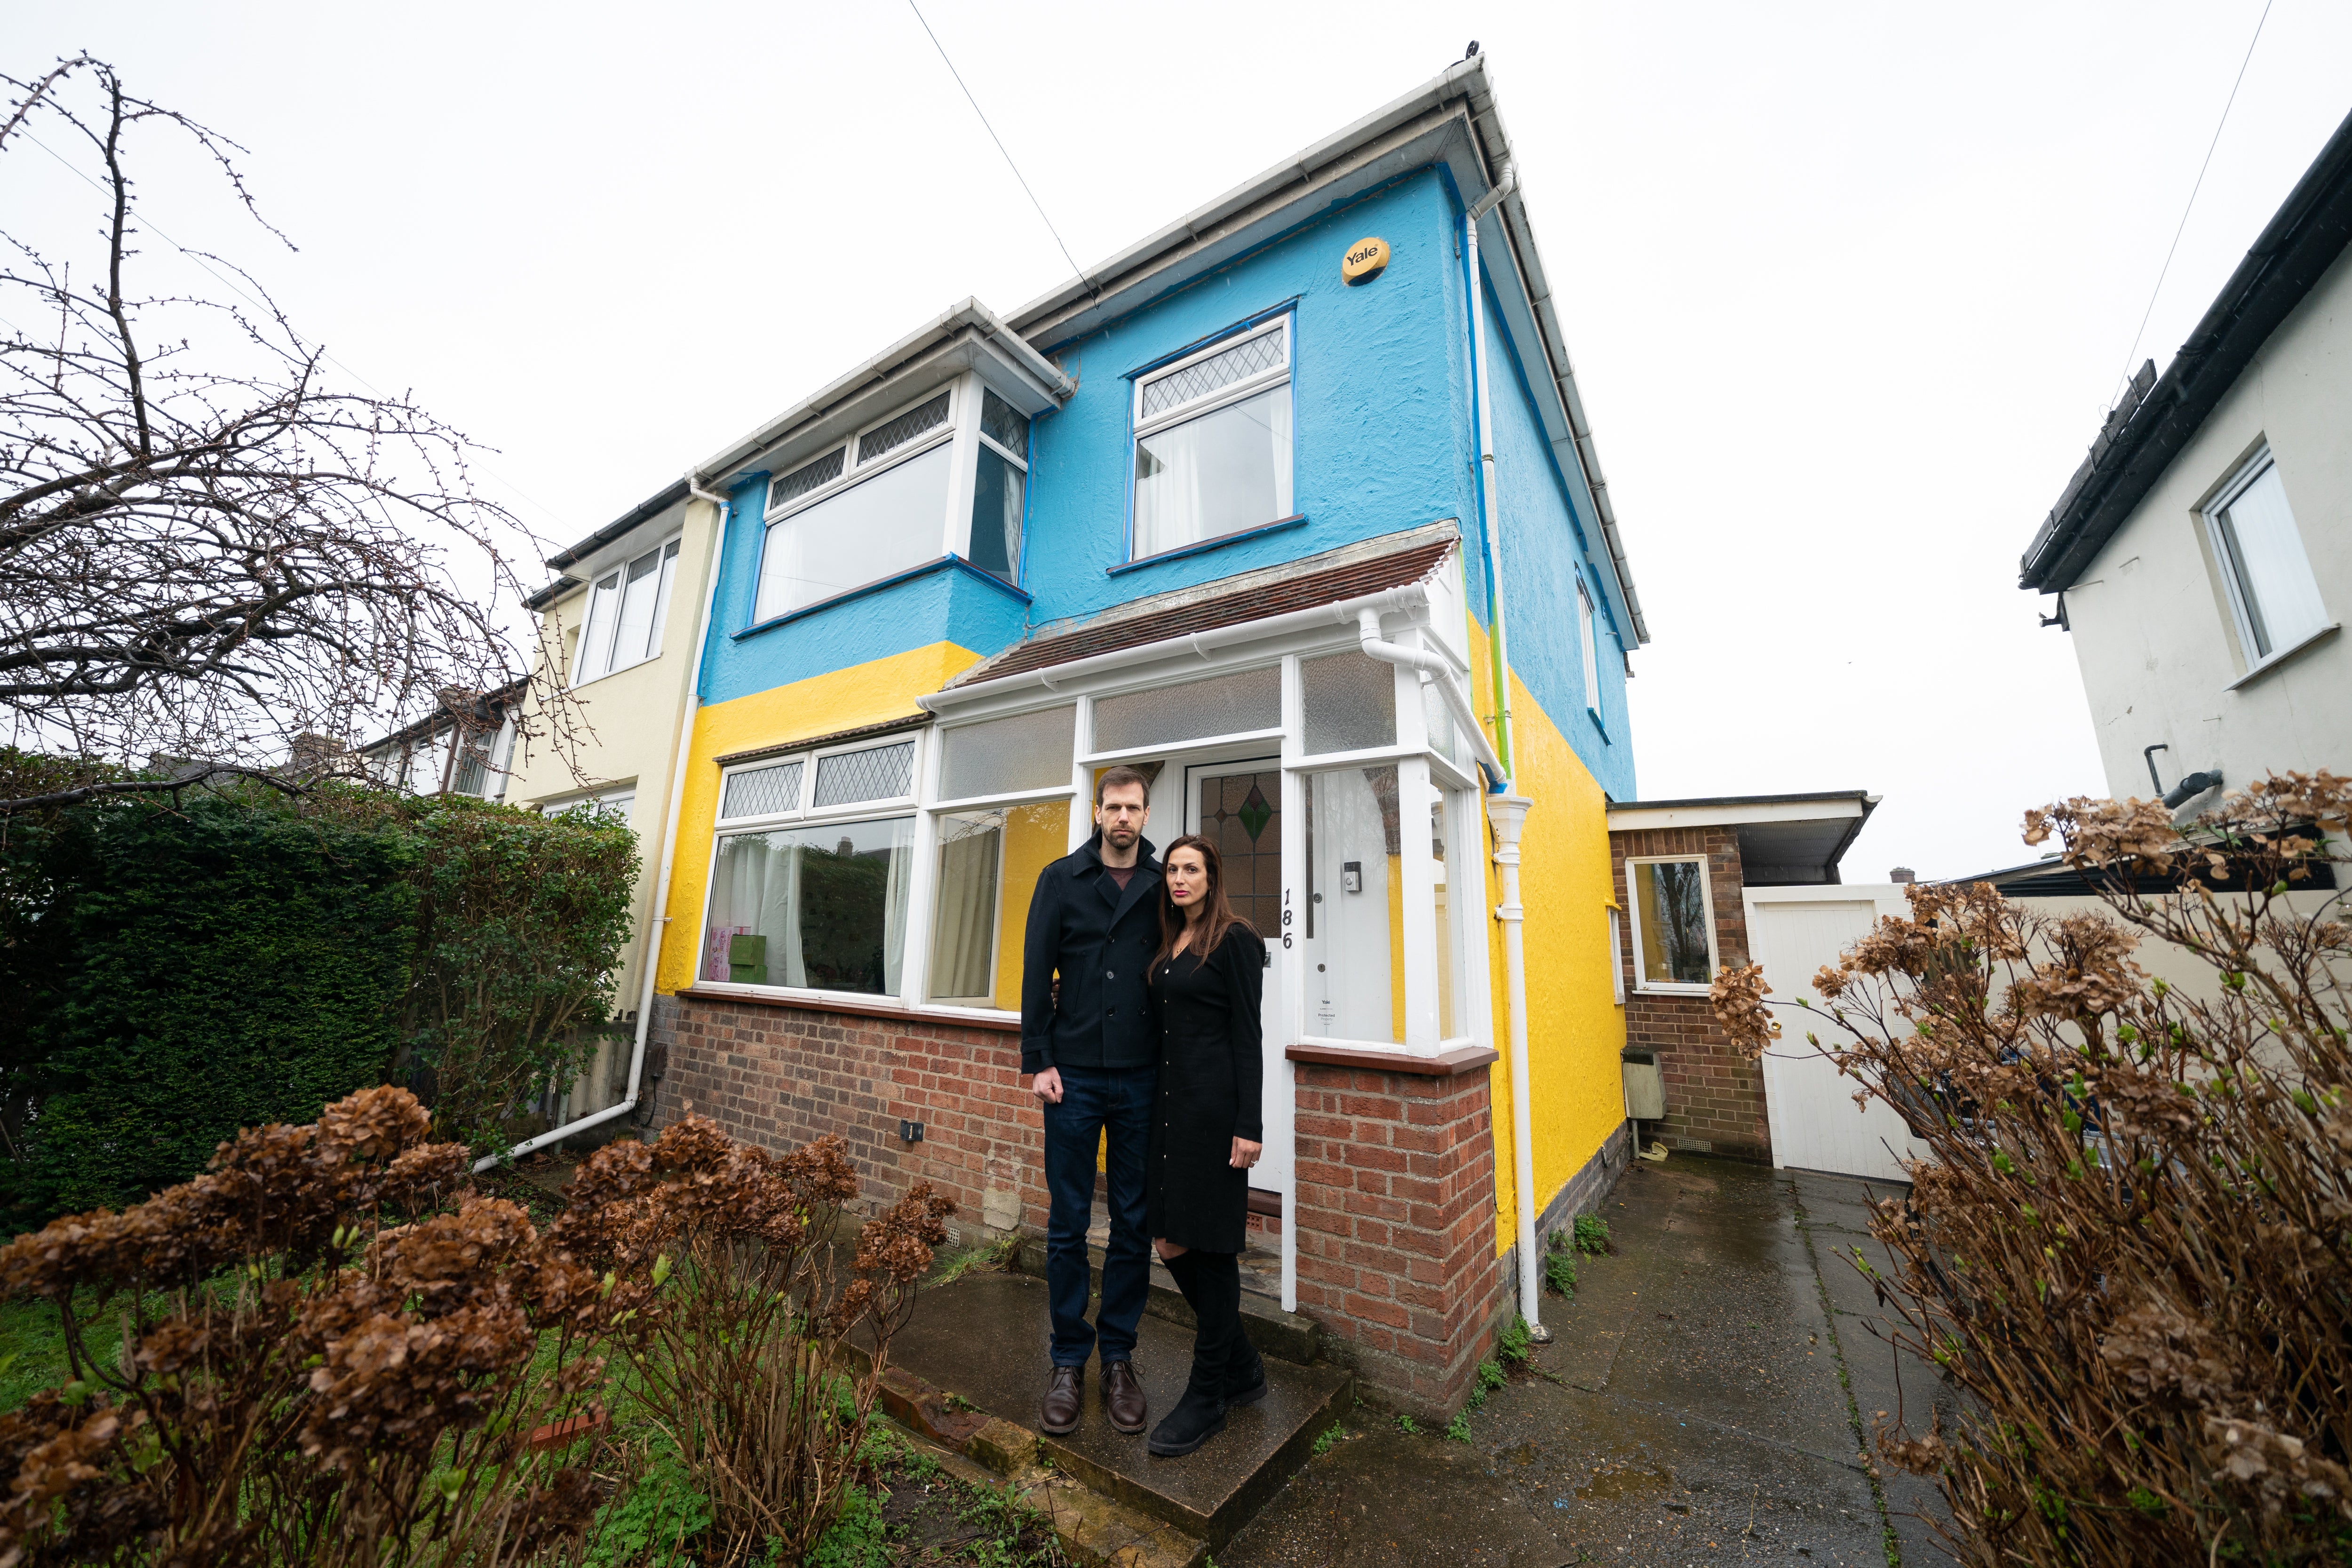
(884, 773)
(1206, 377)
(756, 791)
(1222, 705)
(896, 433)
(1351, 702)
(808, 476)
(1004, 424)
(1006, 757)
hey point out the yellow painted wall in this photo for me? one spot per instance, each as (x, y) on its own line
(1575, 1028)
(1035, 837)
(822, 705)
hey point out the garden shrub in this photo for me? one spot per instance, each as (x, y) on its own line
(520, 919)
(2131, 1241)
(223, 965)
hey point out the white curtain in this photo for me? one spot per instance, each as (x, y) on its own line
(964, 926)
(894, 903)
(1167, 490)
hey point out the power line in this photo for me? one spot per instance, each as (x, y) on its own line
(2145, 315)
(993, 136)
(199, 257)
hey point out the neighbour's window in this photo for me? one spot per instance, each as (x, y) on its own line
(620, 803)
(822, 906)
(1587, 639)
(471, 774)
(626, 610)
(989, 862)
(2272, 591)
(1354, 921)
(1213, 442)
(1673, 927)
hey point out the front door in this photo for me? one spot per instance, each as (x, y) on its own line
(1237, 807)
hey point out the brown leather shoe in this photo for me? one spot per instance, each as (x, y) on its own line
(1123, 1396)
(1058, 1417)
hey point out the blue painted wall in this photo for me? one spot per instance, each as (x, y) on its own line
(1548, 542)
(1383, 441)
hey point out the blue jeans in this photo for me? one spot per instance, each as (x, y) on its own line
(1092, 1101)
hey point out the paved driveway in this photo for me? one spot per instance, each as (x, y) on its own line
(1705, 1400)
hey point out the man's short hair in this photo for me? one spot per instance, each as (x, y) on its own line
(1114, 778)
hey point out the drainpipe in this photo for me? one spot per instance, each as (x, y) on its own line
(659, 915)
(1438, 671)
(1508, 810)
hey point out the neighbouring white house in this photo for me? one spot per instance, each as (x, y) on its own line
(2201, 556)
(463, 747)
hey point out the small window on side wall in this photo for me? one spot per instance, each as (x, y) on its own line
(1673, 924)
(2273, 594)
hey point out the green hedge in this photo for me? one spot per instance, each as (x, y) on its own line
(227, 965)
(171, 973)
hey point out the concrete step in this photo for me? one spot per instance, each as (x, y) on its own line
(981, 1342)
(1288, 1335)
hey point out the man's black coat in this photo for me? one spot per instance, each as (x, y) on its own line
(1100, 941)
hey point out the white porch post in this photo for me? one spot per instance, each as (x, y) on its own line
(1508, 813)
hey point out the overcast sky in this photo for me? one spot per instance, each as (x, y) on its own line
(1848, 287)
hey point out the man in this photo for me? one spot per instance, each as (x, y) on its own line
(1095, 924)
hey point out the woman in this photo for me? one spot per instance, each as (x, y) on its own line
(1205, 984)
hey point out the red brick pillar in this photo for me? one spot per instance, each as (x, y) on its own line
(1396, 1219)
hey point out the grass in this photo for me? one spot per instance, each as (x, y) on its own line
(1591, 1233)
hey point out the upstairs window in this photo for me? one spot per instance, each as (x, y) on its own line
(626, 610)
(876, 504)
(1587, 639)
(2273, 594)
(1000, 488)
(1213, 442)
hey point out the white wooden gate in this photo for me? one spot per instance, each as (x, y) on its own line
(1816, 1126)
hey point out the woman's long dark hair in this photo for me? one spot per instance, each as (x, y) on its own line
(1219, 917)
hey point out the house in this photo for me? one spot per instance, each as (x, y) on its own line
(1717, 883)
(1294, 505)
(621, 623)
(2201, 556)
(462, 747)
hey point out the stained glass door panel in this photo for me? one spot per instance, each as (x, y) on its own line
(1237, 807)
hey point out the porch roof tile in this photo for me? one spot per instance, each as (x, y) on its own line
(1300, 584)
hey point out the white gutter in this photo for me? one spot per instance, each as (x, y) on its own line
(658, 916)
(1339, 612)
(1508, 810)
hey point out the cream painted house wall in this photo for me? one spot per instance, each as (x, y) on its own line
(627, 726)
(2151, 619)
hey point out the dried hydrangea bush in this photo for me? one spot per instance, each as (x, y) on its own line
(2130, 1242)
(334, 1352)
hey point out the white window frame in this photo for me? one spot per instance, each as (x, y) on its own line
(2225, 561)
(802, 813)
(1588, 628)
(1140, 428)
(670, 549)
(1642, 981)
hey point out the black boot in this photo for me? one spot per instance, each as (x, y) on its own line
(1201, 1414)
(1244, 1373)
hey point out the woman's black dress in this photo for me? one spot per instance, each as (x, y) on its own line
(1206, 1011)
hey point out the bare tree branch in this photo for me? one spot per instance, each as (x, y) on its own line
(205, 548)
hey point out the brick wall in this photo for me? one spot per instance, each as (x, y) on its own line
(1714, 1094)
(783, 1075)
(1396, 1227)
(1396, 1171)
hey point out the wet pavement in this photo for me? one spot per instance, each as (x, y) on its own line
(1698, 1405)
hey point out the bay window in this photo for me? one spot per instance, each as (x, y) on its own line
(878, 503)
(1212, 452)
(818, 900)
(626, 610)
